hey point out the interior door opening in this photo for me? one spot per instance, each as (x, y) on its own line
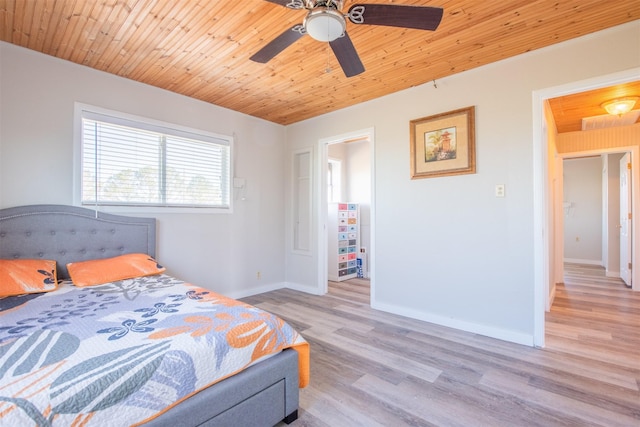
(596, 214)
(348, 210)
(545, 264)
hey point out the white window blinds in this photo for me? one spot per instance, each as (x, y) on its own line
(130, 163)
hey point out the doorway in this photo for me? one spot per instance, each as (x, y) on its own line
(545, 206)
(347, 172)
(595, 213)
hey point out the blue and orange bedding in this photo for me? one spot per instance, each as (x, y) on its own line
(124, 352)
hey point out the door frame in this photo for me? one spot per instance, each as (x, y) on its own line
(323, 205)
(542, 241)
(559, 230)
(627, 159)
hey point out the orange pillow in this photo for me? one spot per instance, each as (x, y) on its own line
(27, 276)
(100, 271)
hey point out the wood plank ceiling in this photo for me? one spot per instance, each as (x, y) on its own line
(201, 48)
(569, 110)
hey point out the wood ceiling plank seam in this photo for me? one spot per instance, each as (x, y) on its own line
(83, 31)
(101, 35)
(58, 24)
(476, 12)
(71, 32)
(39, 16)
(523, 42)
(142, 23)
(483, 27)
(171, 26)
(94, 24)
(15, 33)
(84, 22)
(199, 70)
(123, 34)
(495, 29)
(140, 44)
(483, 37)
(320, 82)
(7, 8)
(235, 98)
(25, 17)
(292, 96)
(298, 105)
(48, 26)
(237, 40)
(170, 75)
(192, 40)
(230, 62)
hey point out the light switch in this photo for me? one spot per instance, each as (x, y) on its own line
(239, 182)
(499, 190)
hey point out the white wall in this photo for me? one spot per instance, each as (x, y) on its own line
(447, 250)
(222, 252)
(359, 187)
(583, 215)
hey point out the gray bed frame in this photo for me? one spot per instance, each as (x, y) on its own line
(261, 395)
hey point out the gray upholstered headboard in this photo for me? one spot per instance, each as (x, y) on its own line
(70, 234)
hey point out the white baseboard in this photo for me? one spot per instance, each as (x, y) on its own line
(584, 261)
(302, 288)
(615, 274)
(255, 291)
(489, 331)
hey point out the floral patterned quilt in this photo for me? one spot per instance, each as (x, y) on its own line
(122, 353)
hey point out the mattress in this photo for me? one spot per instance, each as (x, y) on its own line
(124, 352)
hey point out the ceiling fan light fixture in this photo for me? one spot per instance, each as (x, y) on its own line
(325, 25)
(620, 106)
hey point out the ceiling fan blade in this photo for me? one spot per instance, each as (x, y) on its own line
(291, 4)
(391, 15)
(279, 44)
(347, 56)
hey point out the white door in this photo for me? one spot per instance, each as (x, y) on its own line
(625, 218)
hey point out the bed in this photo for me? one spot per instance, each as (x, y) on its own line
(43, 356)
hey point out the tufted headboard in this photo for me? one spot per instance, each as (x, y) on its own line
(70, 233)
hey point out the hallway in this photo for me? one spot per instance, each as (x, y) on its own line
(596, 318)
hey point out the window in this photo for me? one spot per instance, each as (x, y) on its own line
(334, 180)
(130, 161)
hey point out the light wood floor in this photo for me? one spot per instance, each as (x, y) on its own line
(370, 368)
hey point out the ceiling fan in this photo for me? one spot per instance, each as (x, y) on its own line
(326, 23)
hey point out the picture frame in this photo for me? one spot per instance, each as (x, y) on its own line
(443, 144)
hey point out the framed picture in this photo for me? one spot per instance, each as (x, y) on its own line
(443, 144)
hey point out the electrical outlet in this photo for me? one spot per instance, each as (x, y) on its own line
(499, 190)
(258, 275)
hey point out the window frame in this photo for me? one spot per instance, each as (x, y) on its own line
(80, 110)
(334, 173)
